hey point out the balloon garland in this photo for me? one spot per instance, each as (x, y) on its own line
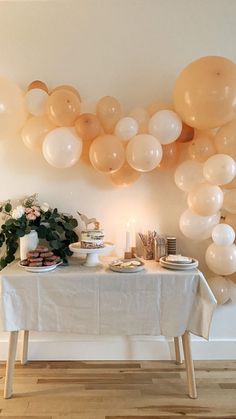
(124, 147)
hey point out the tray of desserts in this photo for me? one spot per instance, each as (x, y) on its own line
(40, 260)
(178, 262)
(126, 265)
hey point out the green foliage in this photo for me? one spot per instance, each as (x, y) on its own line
(54, 227)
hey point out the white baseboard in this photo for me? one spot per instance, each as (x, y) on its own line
(119, 348)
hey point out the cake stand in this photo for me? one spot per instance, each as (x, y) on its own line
(92, 255)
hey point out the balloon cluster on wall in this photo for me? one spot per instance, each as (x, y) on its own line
(123, 147)
(205, 98)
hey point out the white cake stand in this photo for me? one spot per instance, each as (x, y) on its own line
(92, 258)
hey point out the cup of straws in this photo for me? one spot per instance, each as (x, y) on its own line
(147, 241)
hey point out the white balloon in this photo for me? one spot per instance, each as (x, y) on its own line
(166, 126)
(62, 147)
(223, 235)
(144, 152)
(232, 289)
(221, 259)
(205, 199)
(36, 100)
(219, 169)
(188, 174)
(197, 227)
(126, 128)
(220, 288)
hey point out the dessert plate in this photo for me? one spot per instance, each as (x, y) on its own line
(178, 266)
(92, 258)
(40, 269)
(126, 265)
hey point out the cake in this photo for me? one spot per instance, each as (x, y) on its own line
(92, 239)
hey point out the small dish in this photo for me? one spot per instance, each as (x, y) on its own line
(40, 269)
(127, 265)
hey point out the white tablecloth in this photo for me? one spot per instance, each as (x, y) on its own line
(101, 302)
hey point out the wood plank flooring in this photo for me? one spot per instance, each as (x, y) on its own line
(119, 390)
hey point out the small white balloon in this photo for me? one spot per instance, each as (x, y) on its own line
(126, 128)
(220, 288)
(166, 126)
(197, 227)
(36, 100)
(223, 235)
(144, 152)
(219, 169)
(188, 174)
(221, 259)
(62, 147)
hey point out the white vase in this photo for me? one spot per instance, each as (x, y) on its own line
(28, 242)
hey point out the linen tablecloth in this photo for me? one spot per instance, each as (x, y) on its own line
(97, 301)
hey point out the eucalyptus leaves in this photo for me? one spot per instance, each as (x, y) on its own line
(54, 227)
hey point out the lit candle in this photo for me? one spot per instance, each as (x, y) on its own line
(128, 238)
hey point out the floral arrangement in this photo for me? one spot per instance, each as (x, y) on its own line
(54, 227)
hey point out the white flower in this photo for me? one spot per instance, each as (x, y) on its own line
(18, 212)
(44, 207)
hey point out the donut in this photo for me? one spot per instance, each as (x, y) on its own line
(35, 264)
(35, 260)
(46, 254)
(32, 254)
(49, 263)
(41, 249)
(24, 262)
(51, 258)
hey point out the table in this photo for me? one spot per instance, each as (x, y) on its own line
(97, 301)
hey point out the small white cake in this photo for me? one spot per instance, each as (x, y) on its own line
(92, 239)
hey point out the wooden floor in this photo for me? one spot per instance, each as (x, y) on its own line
(119, 390)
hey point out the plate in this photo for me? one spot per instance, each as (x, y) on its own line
(40, 269)
(126, 269)
(178, 266)
(179, 262)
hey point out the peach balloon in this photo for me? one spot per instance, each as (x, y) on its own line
(225, 139)
(107, 154)
(142, 117)
(67, 87)
(205, 92)
(188, 174)
(88, 126)
(144, 152)
(63, 107)
(158, 106)
(35, 131)
(219, 169)
(38, 84)
(85, 152)
(220, 288)
(126, 176)
(109, 112)
(221, 259)
(202, 147)
(205, 199)
(170, 157)
(186, 134)
(230, 219)
(13, 112)
(230, 201)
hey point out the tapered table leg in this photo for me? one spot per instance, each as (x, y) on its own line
(24, 349)
(12, 345)
(178, 357)
(192, 391)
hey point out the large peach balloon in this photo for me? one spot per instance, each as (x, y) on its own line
(186, 134)
(109, 112)
(221, 259)
(225, 139)
(188, 174)
(170, 157)
(166, 126)
(13, 112)
(205, 92)
(67, 87)
(220, 288)
(197, 227)
(62, 147)
(107, 154)
(63, 107)
(202, 147)
(144, 152)
(158, 106)
(219, 169)
(230, 201)
(35, 130)
(142, 117)
(205, 199)
(126, 176)
(88, 126)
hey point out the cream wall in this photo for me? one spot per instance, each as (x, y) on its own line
(133, 50)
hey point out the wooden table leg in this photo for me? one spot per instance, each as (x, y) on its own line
(192, 391)
(178, 357)
(24, 349)
(12, 345)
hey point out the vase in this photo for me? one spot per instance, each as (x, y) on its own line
(28, 242)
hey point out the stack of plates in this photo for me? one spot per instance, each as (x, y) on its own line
(171, 245)
(178, 265)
